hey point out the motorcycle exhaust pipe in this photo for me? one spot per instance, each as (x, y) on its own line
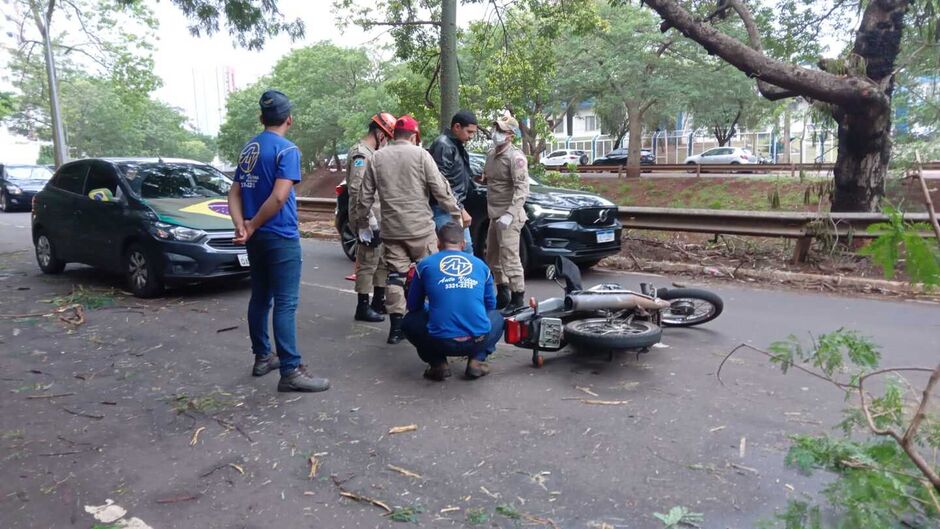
(589, 302)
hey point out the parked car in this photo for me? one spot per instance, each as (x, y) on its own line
(19, 183)
(724, 156)
(578, 225)
(564, 157)
(620, 156)
(156, 221)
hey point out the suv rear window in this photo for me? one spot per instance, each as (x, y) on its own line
(71, 178)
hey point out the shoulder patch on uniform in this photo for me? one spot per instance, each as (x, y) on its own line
(359, 162)
(521, 161)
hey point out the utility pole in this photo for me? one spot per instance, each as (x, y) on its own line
(59, 149)
(450, 77)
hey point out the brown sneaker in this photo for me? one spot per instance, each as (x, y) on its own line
(476, 369)
(437, 373)
(300, 380)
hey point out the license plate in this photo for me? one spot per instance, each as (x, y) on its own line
(550, 333)
(243, 260)
(605, 236)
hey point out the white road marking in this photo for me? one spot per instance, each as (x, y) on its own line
(328, 287)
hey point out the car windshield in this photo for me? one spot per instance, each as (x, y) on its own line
(175, 180)
(29, 173)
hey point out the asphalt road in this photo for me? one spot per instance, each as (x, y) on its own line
(159, 413)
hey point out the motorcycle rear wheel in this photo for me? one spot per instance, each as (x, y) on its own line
(705, 306)
(605, 334)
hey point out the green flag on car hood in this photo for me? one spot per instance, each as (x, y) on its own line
(197, 213)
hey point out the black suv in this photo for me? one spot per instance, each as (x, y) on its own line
(562, 222)
(157, 221)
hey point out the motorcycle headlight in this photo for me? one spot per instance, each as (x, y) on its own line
(539, 211)
(171, 232)
(14, 190)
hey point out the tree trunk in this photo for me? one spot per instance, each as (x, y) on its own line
(60, 149)
(635, 135)
(450, 77)
(862, 160)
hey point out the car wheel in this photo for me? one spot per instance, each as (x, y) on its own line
(349, 241)
(141, 272)
(5, 202)
(46, 256)
(584, 160)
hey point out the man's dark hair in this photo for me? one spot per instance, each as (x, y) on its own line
(403, 134)
(463, 118)
(271, 122)
(450, 234)
(373, 126)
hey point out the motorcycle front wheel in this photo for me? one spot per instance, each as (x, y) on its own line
(606, 334)
(689, 306)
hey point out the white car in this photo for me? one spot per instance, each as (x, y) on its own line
(564, 157)
(724, 156)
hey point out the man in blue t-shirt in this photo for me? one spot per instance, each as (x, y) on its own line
(460, 318)
(264, 212)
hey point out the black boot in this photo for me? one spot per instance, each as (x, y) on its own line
(516, 302)
(395, 334)
(364, 312)
(378, 300)
(502, 296)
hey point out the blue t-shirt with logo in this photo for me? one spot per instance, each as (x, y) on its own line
(264, 159)
(459, 289)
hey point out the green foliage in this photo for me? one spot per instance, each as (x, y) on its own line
(679, 516)
(406, 514)
(876, 482)
(509, 511)
(7, 104)
(334, 90)
(477, 516)
(922, 258)
(828, 353)
(565, 181)
(251, 23)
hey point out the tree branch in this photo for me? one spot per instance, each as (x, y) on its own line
(803, 81)
(369, 24)
(769, 91)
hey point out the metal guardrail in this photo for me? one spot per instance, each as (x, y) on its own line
(800, 225)
(698, 169)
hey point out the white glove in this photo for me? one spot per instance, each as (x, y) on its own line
(505, 220)
(373, 223)
(365, 235)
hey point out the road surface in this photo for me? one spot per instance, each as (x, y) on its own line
(158, 412)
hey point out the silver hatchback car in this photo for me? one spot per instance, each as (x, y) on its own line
(724, 156)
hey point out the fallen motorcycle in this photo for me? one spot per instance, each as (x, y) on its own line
(605, 317)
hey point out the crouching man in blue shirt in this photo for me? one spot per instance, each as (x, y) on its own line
(460, 318)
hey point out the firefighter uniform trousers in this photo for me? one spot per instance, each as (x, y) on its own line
(370, 268)
(502, 252)
(399, 254)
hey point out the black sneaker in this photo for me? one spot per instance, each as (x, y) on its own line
(300, 380)
(264, 365)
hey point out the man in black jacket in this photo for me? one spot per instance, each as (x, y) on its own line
(454, 163)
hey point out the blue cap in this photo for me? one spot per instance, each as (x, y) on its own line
(275, 105)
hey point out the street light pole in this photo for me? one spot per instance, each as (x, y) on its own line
(450, 77)
(59, 148)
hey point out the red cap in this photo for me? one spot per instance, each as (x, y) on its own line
(407, 123)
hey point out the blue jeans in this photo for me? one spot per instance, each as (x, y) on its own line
(436, 350)
(275, 279)
(442, 217)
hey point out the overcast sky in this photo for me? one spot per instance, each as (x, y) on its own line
(194, 70)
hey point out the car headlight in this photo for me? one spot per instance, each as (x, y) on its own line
(538, 211)
(171, 232)
(14, 190)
